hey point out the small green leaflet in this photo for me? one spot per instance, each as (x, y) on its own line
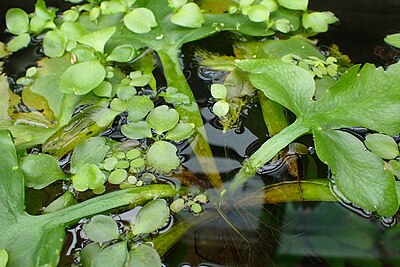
(369, 98)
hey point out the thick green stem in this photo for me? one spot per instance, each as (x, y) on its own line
(274, 114)
(266, 152)
(110, 201)
(190, 113)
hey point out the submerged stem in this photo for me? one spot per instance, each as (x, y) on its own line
(190, 113)
(266, 152)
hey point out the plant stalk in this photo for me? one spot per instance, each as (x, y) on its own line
(266, 152)
(190, 113)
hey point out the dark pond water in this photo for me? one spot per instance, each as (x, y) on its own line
(291, 234)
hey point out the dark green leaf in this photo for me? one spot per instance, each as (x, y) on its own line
(101, 229)
(92, 151)
(41, 170)
(152, 216)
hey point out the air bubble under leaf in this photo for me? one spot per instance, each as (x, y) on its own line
(140, 20)
(189, 15)
(382, 145)
(17, 21)
(162, 156)
(83, 77)
(151, 217)
(162, 118)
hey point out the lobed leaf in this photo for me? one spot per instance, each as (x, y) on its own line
(162, 119)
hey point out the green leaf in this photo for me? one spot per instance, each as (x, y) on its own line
(17, 21)
(126, 92)
(112, 7)
(162, 156)
(221, 108)
(139, 107)
(101, 228)
(104, 89)
(4, 87)
(97, 39)
(143, 256)
(172, 96)
(4, 258)
(151, 217)
(180, 132)
(140, 20)
(118, 176)
(87, 177)
(136, 130)
(54, 43)
(318, 21)
(176, 4)
(65, 200)
(394, 167)
(18, 42)
(189, 15)
(73, 30)
(361, 176)
(122, 53)
(393, 39)
(162, 119)
(41, 170)
(83, 77)
(294, 4)
(382, 145)
(258, 13)
(89, 253)
(218, 91)
(93, 151)
(114, 255)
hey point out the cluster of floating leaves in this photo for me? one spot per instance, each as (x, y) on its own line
(314, 65)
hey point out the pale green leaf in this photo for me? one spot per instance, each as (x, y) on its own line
(394, 167)
(218, 91)
(4, 258)
(126, 92)
(221, 108)
(17, 21)
(83, 77)
(104, 89)
(258, 13)
(180, 132)
(271, 5)
(136, 130)
(118, 176)
(189, 15)
(143, 256)
(73, 30)
(382, 145)
(114, 255)
(101, 229)
(84, 153)
(151, 217)
(294, 4)
(54, 43)
(112, 7)
(162, 156)
(122, 53)
(89, 253)
(162, 119)
(18, 42)
(87, 177)
(140, 20)
(41, 170)
(139, 107)
(97, 39)
(65, 200)
(318, 21)
(172, 96)
(393, 39)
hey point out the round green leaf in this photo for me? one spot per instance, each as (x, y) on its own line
(189, 15)
(83, 77)
(88, 176)
(54, 43)
(271, 5)
(89, 253)
(122, 53)
(140, 20)
(180, 132)
(114, 255)
(282, 25)
(221, 108)
(41, 170)
(294, 4)
(162, 118)
(112, 7)
(109, 163)
(133, 153)
(177, 205)
(118, 105)
(126, 92)
(101, 229)
(117, 176)
(104, 89)
(218, 91)
(137, 163)
(70, 15)
(139, 107)
(258, 13)
(18, 42)
(136, 130)
(382, 145)
(140, 81)
(17, 21)
(152, 216)
(143, 256)
(162, 156)
(97, 39)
